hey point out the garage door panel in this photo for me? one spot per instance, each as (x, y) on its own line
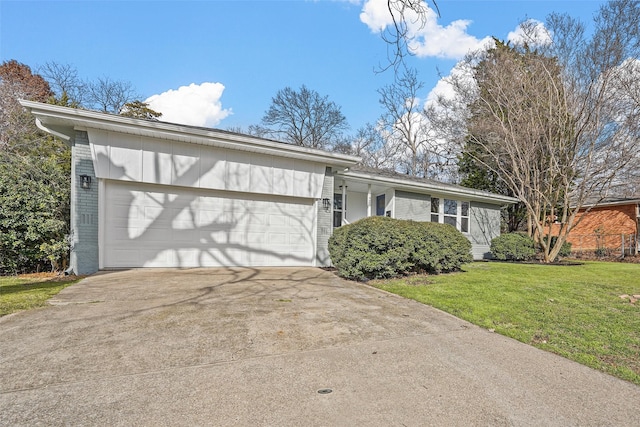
(153, 258)
(183, 227)
(207, 218)
(299, 239)
(120, 234)
(277, 220)
(153, 235)
(187, 236)
(120, 210)
(188, 256)
(121, 256)
(278, 239)
(256, 237)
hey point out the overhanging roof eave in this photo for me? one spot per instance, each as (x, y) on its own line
(72, 119)
(428, 187)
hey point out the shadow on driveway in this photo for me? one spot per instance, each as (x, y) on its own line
(254, 347)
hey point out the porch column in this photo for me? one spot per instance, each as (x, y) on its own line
(344, 203)
(369, 213)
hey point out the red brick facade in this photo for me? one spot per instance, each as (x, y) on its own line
(602, 226)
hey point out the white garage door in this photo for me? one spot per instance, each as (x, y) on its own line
(159, 226)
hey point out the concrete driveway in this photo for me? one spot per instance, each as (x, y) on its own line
(247, 347)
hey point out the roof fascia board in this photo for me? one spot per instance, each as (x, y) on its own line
(51, 116)
(616, 203)
(443, 188)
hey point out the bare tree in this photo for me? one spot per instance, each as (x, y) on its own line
(304, 118)
(559, 129)
(375, 151)
(65, 82)
(402, 119)
(407, 125)
(522, 122)
(110, 96)
(104, 94)
(405, 14)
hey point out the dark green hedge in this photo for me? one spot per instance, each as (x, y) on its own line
(520, 247)
(513, 247)
(381, 247)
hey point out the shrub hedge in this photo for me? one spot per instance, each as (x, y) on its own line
(513, 247)
(381, 247)
(520, 247)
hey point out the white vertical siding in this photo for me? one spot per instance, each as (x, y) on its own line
(140, 159)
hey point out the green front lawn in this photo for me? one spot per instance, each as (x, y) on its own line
(574, 311)
(30, 291)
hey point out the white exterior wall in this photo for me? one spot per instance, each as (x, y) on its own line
(485, 225)
(389, 198)
(414, 206)
(356, 206)
(140, 159)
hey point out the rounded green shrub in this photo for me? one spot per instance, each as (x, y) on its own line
(513, 247)
(381, 247)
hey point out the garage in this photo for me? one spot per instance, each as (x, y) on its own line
(163, 226)
(146, 193)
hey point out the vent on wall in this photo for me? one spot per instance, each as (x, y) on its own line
(87, 219)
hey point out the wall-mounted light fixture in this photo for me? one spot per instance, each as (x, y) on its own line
(326, 204)
(85, 181)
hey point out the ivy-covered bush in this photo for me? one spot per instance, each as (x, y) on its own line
(513, 247)
(381, 247)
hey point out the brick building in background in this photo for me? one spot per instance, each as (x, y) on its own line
(611, 225)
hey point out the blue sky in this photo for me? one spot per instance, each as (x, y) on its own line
(235, 55)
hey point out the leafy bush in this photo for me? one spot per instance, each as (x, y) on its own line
(57, 253)
(381, 247)
(601, 252)
(34, 200)
(513, 247)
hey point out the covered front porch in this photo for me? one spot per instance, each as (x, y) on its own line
(353, 200)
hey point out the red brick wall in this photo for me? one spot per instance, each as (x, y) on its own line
(612, 221)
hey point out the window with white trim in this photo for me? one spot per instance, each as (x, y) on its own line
(449, 211)
(435, 209)
(337, 209)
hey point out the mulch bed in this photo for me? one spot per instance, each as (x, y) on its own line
(46, 277)
(632, 259)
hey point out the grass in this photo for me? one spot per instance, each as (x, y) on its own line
(30, 291)
(574, 311)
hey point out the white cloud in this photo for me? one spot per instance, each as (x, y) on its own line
(532, 32)
(196, 105)
(375, 14)
(461, 75)
(426, 38)
(450, 42)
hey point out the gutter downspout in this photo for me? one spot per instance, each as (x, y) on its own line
(62, 136)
